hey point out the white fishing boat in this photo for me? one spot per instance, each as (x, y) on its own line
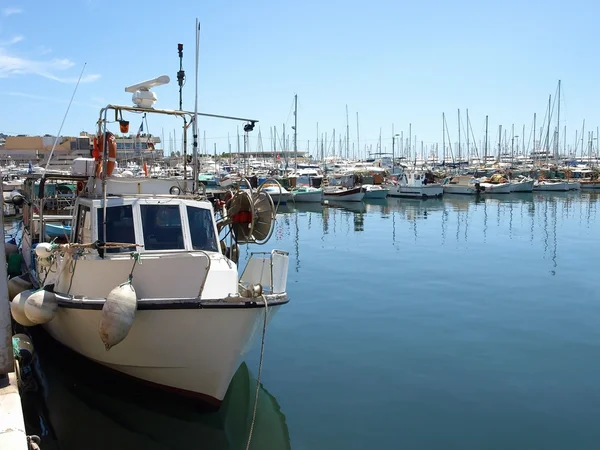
(278, 193)
(414, 184)
(344, 194)
(461, 185)
(546, 185)
(144, 285)
(375, 191)
(496, 184)
(521, 185)
(307, 194)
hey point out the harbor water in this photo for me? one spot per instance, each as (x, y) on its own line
(457, 323)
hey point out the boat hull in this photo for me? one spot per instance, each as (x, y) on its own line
(191, 351)
(373, 194)
(345, 195)
(308, 197)
(425, 191)
(491, 188)
(550, 186)
(460, 189)
(590, 185)
(522, 186)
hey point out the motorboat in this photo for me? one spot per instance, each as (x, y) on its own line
(375, 191)
(144, 284)
(340, 193)
(307, 194)
(414, 184)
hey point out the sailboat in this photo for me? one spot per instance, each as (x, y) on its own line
(145, 285)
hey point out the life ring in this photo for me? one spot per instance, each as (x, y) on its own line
(80, 186)
(112, 153)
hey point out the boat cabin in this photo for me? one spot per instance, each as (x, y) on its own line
(167, 224)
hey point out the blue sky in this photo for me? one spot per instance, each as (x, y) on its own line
(392, 62)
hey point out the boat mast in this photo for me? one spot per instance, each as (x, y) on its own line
(548, 129)
(357, 135)
(347, 135)
(459, 155)
(557, 124)
(485, 148)
(296, 133)
(443, 139)
(468, 151)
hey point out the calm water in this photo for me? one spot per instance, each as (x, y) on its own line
(438, 324)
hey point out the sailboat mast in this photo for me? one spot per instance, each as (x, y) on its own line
(443, 139)
(534, 131)
(296, 132)
(459, 155)
(468, 152)
(557, 123)
(347, 135)
(357, 135)
(485, 148)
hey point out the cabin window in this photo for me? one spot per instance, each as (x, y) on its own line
(202, 229)
(119, 227)
(162, 228)
(82, 232)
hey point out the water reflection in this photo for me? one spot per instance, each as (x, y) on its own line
(92, 408)
(462, 219)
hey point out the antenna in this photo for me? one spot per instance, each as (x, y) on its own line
(180, 75)
(142, 96)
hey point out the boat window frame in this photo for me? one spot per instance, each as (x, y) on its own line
(78, 224)
(184, 228)
(135, 204)
(215, 229)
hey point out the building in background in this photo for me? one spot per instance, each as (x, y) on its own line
(21, 149)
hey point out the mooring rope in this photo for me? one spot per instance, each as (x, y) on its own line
(260, 365)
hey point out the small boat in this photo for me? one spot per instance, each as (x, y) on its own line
(590, 184)
(496, 184)
(307, 194)
(414, 185)
(339, 193)
(461, 185)
(375, 191)
(574, 185)
(522, 185)
(278, 193)
(546, 185)
(55, 230)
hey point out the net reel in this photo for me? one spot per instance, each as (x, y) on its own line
(250, 215)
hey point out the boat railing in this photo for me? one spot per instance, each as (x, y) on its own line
(269, 269)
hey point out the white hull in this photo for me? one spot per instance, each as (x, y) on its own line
(459, 189)
(590, 185)
(193, 350)
(491, 188)
(428, 190)
(308, 197)
(521, 186)
(574, 185)
(551, 186)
